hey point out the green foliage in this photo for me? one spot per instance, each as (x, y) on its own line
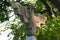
(51, 30)
(3, 11)
(18, 29)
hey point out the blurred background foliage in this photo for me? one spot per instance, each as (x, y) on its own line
(48, 31)
(51, 30)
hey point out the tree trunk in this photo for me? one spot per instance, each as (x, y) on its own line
(30, 32)
(23, 15)
(30, 27)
